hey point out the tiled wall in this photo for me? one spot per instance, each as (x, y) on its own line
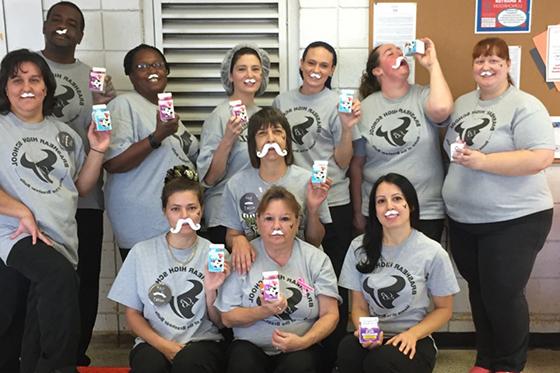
(113, 27)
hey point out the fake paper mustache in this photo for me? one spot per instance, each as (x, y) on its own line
(486, 73)
(27, 94)
(152, 76)
(194, 226)
(391, 213)
(61, 32)
(275, 146)
(277, 232)
(315, 75)
(398, 62)
(250, 81)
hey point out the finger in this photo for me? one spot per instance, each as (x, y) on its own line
(243, 265)
(18, 231)
(412, 352)
(45, 239)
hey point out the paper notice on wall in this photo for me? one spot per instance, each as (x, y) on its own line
(395, 23)
(553, 54)
(515, 68)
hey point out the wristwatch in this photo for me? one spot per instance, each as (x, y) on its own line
(153, 142)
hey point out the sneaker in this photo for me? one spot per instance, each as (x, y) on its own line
(477, 369)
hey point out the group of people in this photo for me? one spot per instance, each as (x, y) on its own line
(247, 184)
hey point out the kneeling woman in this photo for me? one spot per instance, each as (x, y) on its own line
(393, 271)
(282, 334)
(169, 293)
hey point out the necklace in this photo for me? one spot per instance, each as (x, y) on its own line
(188, 260)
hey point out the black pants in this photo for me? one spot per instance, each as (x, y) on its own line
(338, 236)
(353, 358)
(195, 357)
(90, 236)
(52, 320)
(244, 357)
(496, 259)
(432, 228)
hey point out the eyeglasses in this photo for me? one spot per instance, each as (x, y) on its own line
(155, 65)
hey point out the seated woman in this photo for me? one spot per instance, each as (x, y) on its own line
(282, 334)
(168, 291)
(393, 271)
(45, 171)
(270, 152)
(142, 149)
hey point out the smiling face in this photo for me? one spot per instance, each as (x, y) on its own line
(26, 91)
(246, 74)
(388, 54)
(491, 73)
(148, 74)
(278, 223)
(316, 67)
(391, 208)
(63, 27)
(182, 205)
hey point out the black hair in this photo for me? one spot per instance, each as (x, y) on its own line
(368, 82)
(71, 5)
(327, 46)
(265, 118)
(373, 237)
(9, 67)
(179, 179)
(129, 57)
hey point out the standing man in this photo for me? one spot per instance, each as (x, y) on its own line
(63, 30)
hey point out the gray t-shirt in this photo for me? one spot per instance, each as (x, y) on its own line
(513, 121)
(400, 138)
(185, 318)
(133, 198)
(306, 262)
(316, 131)
(42, 162)
(399, 288)
(73, 102)
(243, 193)
(213, 131)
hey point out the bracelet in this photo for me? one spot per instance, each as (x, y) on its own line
(153, 142)
(97, 151)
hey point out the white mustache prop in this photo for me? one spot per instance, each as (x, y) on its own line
(151, 76)
(194, 226)
(27, 94)
(277, 232)
(391, 213)
(486, 73)
(398, 62)
(315, 75)
(275, 146)
(61, 32)
(250, 81)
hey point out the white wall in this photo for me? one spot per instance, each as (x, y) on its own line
(113, 27)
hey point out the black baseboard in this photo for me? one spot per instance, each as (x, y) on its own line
(467, 340)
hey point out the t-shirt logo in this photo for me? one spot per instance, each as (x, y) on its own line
(183, 304)
(468, 134)
(62, 100)
(384, 297)
(301, 129)
(395, 136)
(43, 167)
(306, 126)
(185, 141)
(395, 132)
(292, 301)
(248, 205)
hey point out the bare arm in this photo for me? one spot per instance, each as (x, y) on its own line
(137, 152)
(512, 163)
(343, 152)
(91, 169)
(218, 166)
(212, 281)
(316, 195)
(242, 252)
(140, 327)
(247, 316)
(360, 308)
(440, 101)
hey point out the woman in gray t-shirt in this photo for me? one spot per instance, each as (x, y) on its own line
(394, 273)
(499, 203)
(400, 133)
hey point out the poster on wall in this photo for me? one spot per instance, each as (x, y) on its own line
(502, 16)
(553, 54)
